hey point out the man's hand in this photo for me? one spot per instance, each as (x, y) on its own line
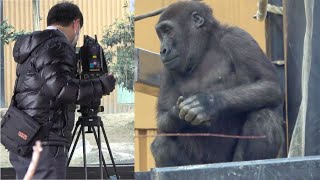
(108, 83)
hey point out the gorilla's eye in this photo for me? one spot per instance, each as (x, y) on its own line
(159, 34)
(166, 30)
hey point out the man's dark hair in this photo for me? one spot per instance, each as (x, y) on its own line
(64, 14)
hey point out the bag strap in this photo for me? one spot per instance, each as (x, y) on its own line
(46, 127)
(13, 101)
(44, 130)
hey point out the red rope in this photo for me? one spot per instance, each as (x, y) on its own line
(203, 135)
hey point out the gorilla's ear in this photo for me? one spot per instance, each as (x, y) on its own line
(197, 19)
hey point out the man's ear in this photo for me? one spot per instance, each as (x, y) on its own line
(76, 24)
(197, 19)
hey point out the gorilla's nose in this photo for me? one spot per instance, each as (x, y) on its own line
(163, 51)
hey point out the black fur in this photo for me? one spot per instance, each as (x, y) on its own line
(216, 80)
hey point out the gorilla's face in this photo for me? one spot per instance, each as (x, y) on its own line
(171, 49)
(181, 41)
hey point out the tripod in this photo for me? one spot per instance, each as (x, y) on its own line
(90, 119)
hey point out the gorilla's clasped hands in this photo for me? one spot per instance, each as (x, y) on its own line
(194, 109)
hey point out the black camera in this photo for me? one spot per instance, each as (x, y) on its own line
(92, 64)
(91, 59)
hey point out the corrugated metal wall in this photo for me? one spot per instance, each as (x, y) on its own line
(98, 14)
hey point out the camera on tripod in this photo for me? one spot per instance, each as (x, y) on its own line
(92, 64)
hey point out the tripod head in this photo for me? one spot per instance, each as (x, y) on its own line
(89, 115)
(90, 111)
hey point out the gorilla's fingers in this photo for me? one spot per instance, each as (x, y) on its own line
(194, 104)
(190, 104)
(201, 118)
(187, 101)
(184, 111)
(192, 113)
(180, 99)
(174, 111)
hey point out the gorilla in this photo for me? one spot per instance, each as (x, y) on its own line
(216, 79)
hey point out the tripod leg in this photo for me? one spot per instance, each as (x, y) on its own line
(74, 145)
(100, 152)
(99, 146)
(109, 149)
(75, 130)
(84, 151)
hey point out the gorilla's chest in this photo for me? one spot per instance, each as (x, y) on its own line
(208, 77)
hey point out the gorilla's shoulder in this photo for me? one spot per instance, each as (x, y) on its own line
(236, 37)
(233, 33)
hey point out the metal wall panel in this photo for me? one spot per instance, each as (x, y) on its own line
(97, 14)
(303, 77)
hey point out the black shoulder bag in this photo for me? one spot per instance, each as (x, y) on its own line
(19, 131)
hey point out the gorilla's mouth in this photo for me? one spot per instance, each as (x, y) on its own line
(166, 61)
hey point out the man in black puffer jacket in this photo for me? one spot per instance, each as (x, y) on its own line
(46, 70)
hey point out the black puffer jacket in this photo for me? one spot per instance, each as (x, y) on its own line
(46, 69)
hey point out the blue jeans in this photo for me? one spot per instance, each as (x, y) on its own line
(52, 163)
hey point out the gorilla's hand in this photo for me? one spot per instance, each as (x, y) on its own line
(198, 109)
(174, 111)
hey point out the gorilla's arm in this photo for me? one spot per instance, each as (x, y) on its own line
(262, 92)
(248, 57)
(169, 121)
(167, 118)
